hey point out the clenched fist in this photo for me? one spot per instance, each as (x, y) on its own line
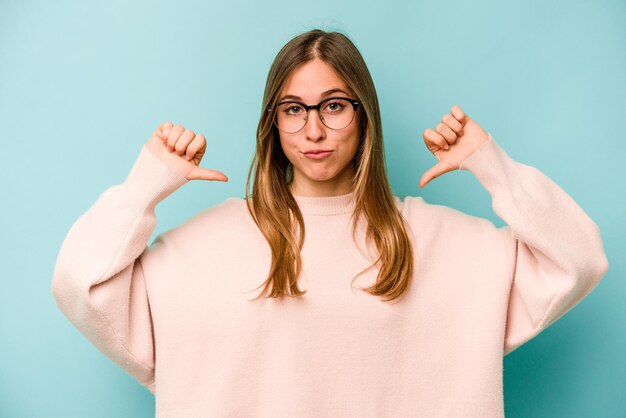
(182, 150)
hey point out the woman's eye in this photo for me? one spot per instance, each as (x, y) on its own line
(293, 110)
(334, 106)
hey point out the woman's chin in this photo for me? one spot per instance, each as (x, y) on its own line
(320, 177)
(318, 173)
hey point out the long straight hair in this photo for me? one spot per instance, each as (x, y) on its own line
(275, 210)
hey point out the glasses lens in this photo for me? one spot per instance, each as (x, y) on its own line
(337, 113)
(334, 113)
(291, 117)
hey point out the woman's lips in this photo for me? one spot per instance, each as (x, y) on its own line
(317, 155)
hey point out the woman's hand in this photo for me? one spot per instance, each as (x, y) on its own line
(182, 150)
(452, 141)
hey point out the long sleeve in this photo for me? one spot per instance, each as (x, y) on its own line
(98, 281)
(554, 249)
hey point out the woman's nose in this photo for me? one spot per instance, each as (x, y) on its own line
(314, 128)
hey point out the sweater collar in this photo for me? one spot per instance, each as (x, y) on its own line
(326, 205)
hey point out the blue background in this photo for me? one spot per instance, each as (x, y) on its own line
(83, 85)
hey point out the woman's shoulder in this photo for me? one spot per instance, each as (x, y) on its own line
(422, 214)
(228, 210)
(228, 218)
(417, 206)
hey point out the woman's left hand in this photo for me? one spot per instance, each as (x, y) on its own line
(452, 141)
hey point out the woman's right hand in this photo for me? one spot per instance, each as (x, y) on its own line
(182, 150)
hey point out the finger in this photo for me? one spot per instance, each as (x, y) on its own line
(434, 138)
(165, 128)
(440, 168)
(198, 143)
(184, 140)
(458, 113)
(199, 173)
(453, 124)
(173, 136)
(446, 132)
(163, 132)
(159, 135)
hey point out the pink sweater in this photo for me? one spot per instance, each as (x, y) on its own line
(176, 316)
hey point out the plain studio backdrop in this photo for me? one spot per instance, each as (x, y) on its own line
(84, 84)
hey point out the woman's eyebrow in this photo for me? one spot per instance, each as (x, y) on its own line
(324, 94)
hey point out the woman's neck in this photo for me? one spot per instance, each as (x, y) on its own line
(338, 186)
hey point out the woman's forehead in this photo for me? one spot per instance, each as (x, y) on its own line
(314, 80)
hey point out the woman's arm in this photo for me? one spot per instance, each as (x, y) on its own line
(98, 282)
(554, 249)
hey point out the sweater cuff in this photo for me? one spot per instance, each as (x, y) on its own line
(489, 163)
(150, 181)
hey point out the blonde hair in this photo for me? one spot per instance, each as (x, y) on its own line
(275, 210)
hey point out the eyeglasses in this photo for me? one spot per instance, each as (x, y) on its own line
(334, 112)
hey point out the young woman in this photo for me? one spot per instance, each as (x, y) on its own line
(370, 306)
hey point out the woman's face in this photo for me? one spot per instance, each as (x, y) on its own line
(329, 174)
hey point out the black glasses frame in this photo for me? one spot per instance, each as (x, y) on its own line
(355, 106)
